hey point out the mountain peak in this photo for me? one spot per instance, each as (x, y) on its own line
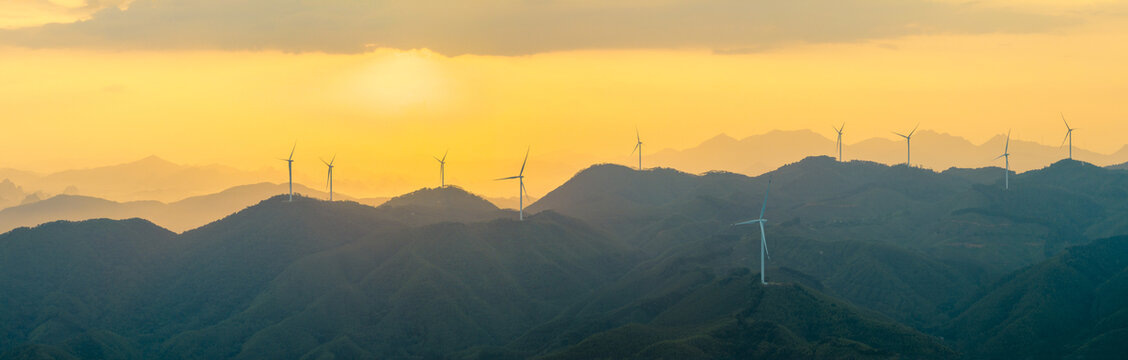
(452, 197)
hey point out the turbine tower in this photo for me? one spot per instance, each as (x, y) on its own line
(329, 181)
(521, 193)
(763, 239)
(908, 145)
(1068, 136)
(838, 144)
(290, 169)
(442, 169)
(1006, 157)
(638, 148)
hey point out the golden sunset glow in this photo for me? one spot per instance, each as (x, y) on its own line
(385, 112)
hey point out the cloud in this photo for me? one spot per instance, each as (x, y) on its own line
(517, 27)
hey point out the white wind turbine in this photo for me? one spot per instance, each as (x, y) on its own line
(838, 144)
(521, 193)
(763, 239)
(1006, 158)
(329, 181)
(909, 145)
(290, 169)
(1068, 136)
(638, 148)
(442, 169)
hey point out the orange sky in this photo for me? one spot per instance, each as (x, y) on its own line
(386, 111)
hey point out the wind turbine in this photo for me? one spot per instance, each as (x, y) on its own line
(763, 239)
(838, 144)
(908, 145)
(521, 193)
(1068, 136)
(1006, 157)
(638, 148)
(442, 169)
(329, 181)
(290, 169)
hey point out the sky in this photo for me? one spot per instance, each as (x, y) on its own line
(386, 85)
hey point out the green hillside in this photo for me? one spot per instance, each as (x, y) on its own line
(1072, 305)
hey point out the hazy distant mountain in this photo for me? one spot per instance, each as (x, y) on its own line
(176, 216)
(1070, 306)
(758, 154)
(151, 178)
(10, 194)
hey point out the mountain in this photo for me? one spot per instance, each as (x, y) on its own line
(10, 194)
(67, 284)
(151, 178)
(758, 154)
(1077, 299)
(321, 278)
(177, 216)
(745, 321)
(867, 260)
(449, 203)
(1122, 166)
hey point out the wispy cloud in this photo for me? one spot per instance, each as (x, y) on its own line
(518, 27)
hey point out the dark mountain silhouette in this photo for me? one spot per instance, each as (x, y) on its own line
(730, 317)
(448, 203)
(241, 286)
(1070, 306)
(616, 263)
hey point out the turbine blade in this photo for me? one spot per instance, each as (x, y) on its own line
(1063, 120)
(914, 129)
(323, 161)
(637, 136)
(764, 242)
(748, 222)
(292, 150)
(899, 134)
(445, 154)
(1067, 133)
(1006, 148)
(635, 148)
(509, 178)
(524, 161)
(997, 157)
(334, 159)
(437, 159)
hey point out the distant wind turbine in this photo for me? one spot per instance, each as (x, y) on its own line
(909, 145)
(521, 193)
(1068, 136)
(442, 169)
(838, 144)
(1006, 157)
(290, 169)
(763, 239)
(638, 148)
(329, 181)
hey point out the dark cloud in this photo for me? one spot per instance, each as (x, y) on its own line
(508, 27)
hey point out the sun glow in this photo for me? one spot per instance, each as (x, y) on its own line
(397, 81)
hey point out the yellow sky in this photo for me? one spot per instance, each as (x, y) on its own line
(385, 112)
